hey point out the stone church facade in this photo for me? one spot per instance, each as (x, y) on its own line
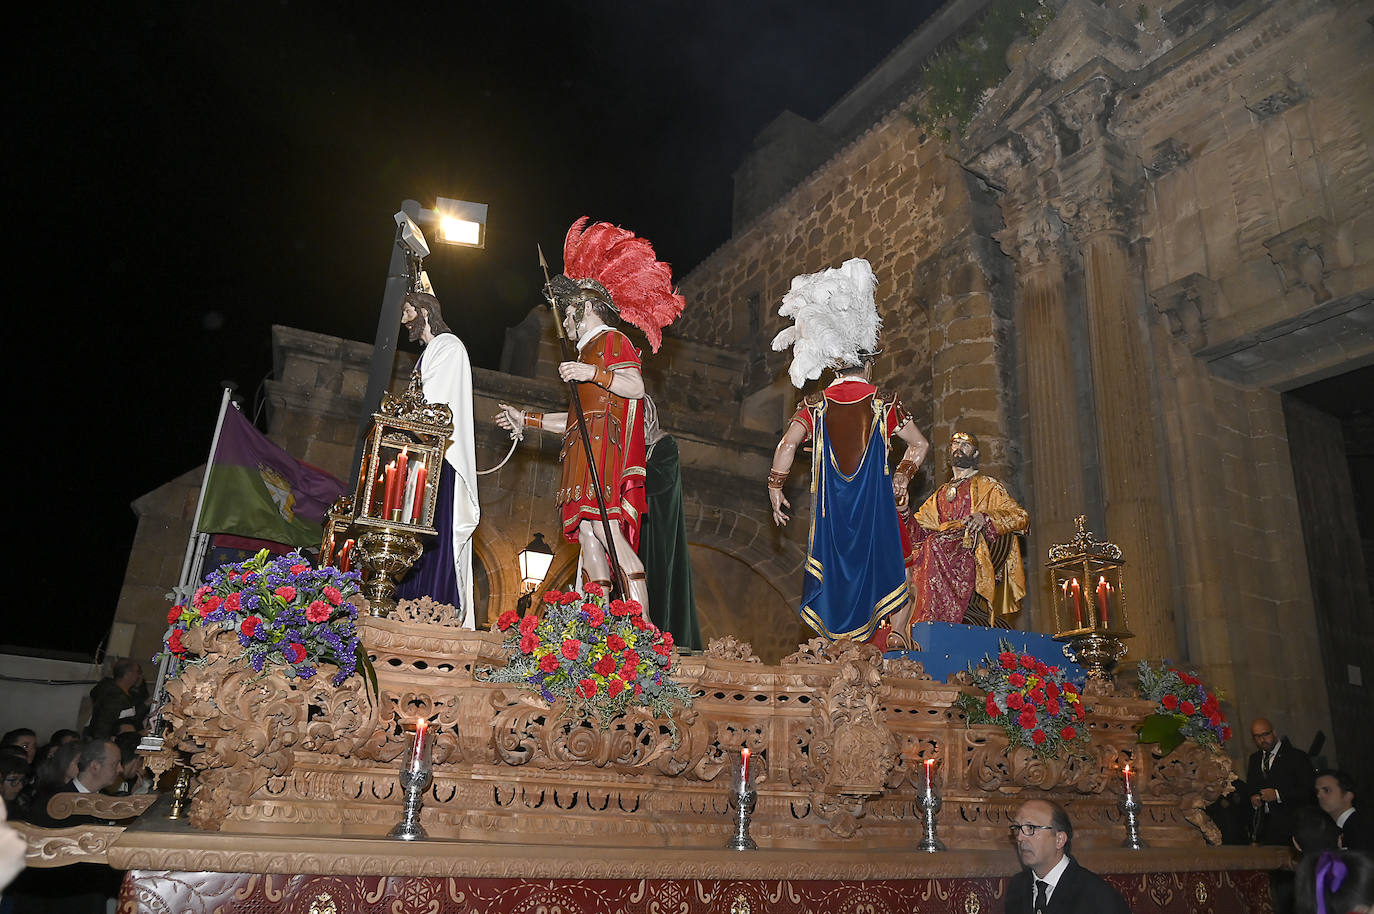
(1157, 224)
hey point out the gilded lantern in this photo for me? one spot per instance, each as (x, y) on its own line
(1085, 581)
(398, 481)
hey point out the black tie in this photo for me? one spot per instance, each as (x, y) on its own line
(1042, 895)
(1267, 759)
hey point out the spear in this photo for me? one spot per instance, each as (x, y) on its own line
(617, 588)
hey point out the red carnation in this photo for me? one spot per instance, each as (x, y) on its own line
(528, 624)
(633, 608)
(1052, 707)
(174, 643)
(991, 706)
(587, 688)
(1040, 669)
(1210, 704)
(1027, 718)
(548, 663)
(571, 647)
(1016, 680)
(174, 614)
(1068, 733)
(627, 671)
(210, 606)
(593, 588)
(632, 657)
(287, 593)
(233, 602)
(568, 599)
(1015, 701)
(1169, 702)
(298, 568)
(332, 594)
(615, 643)
(250, 626)
(662, 649)
(294, 652)
(1037, 695)
(1214, 720)
(1225, 732)
(317, 611)
(1037, 736)
(1187, 708)
(1007, 659)
(606, 665)
(638, 688)
(1078, 710)
(594, 615)
(507, 619)
(199, 595)
(1051, 690)
(615, 687)
(528, 642)
(639, 623)
(618, 608)
(1028, 661)
(552, 596)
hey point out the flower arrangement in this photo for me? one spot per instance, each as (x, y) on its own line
(1184, 709)
(1034, 703)
(289, 615)
(599, 656)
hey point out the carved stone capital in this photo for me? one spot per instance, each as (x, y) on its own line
(1002, 164)
(1085, 110)
(1086, 217)
(1035, 240)
(1187, 305)
(1306, 256)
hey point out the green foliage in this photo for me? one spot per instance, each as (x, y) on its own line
(956, 78)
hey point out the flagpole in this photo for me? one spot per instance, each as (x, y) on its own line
(195, 551)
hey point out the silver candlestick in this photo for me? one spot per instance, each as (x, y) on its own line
(416, 773)
(1130, 806)
(930, 802)
(743, 796)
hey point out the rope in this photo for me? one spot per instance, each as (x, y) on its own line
(515, 435)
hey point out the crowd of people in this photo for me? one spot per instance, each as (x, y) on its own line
(102, 757)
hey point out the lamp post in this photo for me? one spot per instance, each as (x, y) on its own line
(459, 223)
(535, 560)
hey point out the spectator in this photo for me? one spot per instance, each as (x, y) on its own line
(1280, 779)
(112, 700)
(15, 775)
(1336, 797)
(97, 767)
(133, 778)
(25, 739)
(61, 737)
(1043, 836)
(1335, 882)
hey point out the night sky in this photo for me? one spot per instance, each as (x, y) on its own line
(188, 175)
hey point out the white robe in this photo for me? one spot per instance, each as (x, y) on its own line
(446, 376)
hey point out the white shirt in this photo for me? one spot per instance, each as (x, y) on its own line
(80, 787)
(1340, 820)
(1051, 879)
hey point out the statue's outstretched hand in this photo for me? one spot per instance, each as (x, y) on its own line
(779, 502)
(510, 418)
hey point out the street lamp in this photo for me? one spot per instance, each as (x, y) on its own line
(535, 560)
(457, 222)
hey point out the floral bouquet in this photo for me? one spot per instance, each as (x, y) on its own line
(288, 615)
(1035, 704)
(598, 656)
(1184, 709)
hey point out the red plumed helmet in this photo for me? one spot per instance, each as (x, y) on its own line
(640, 285)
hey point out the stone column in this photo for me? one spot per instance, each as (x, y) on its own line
(1051, 391)
(1132, 468)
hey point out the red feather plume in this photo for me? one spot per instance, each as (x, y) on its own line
(640, 284)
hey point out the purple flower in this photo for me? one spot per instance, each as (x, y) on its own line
(257, 661)
(305, 672)
(545, 693)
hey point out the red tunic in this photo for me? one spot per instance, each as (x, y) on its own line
(616, 428)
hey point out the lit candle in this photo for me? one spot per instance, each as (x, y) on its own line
(744, 765)
(1068, 600)
(421, 474)
(401, 479)
(1103, 591)
(419, 748)
(344, 560)
(389, 499)
(1130, 788)
(930, 774)
(1077, 600)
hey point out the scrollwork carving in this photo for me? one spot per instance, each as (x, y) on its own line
(729, 648)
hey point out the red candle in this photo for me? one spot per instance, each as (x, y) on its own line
(1129, 787)
(1103, 591)
(343, 555)
(930, 774)
(421, 474)
(418, 748)
(744, 764)
(401, 462)
(1077, 600)
(389, 500)
(1068, 599)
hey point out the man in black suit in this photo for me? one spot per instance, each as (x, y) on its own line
(1336, 797)
(1280, 779)
(97, 767)
(1052, 881)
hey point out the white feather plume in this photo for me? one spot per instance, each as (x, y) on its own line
(835, 319)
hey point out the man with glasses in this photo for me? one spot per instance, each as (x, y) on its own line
(1052, 882)
(1280, 780)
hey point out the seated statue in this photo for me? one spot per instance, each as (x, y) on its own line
(968, 563)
